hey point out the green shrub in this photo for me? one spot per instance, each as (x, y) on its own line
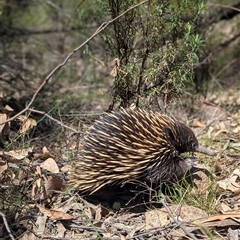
(155, 47)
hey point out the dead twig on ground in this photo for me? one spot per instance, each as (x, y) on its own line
(162, 201)
(6, 225)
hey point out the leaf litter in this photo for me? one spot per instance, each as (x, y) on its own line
(57, 212)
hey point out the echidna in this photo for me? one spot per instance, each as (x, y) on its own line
(129, 145)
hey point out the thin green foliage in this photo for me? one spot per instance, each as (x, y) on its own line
(156, 47)
(185, 193)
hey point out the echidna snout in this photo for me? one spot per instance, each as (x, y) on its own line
(204, 150)
(129, 145)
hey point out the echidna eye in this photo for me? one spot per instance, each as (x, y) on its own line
(194, 145)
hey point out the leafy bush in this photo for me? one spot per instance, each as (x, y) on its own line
(155, 46)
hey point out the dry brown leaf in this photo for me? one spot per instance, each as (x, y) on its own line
(50, 165)
(27, 123)
(3, 118)
(219, 132)
(66, 168)
(160, 217)
(18, 154)
(53, 183)
(10, 159)
(45, 150)
(3, 166)
(38, 171)
(43, 189)
(219, 217)
(61, 230)
(46, 155)
(222, 223)
(97, 212)
(35, 188)
(236, 195)
(122, 237)
(38, 228)
(224, 207)
(8, 109)
(53, 214)
(222, 126)
(231, 183)
(236, 130)
(113, 73)
(197, 123)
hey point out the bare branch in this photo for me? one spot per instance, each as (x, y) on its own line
(55, 120)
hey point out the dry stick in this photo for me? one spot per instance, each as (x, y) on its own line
(6, 225)
(213, 119)
(176, 221)
(210, 123)
(55, 120)
(223, 6)
(100, 29)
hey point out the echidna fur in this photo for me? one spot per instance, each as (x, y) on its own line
(129, 145)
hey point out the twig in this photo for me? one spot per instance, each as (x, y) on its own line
(55, 120)
(6, 225)
(223, 69)
(46, 80)
(162, 201)
(210, 123)
(81, 114)
(144, 60)
(223, 6)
